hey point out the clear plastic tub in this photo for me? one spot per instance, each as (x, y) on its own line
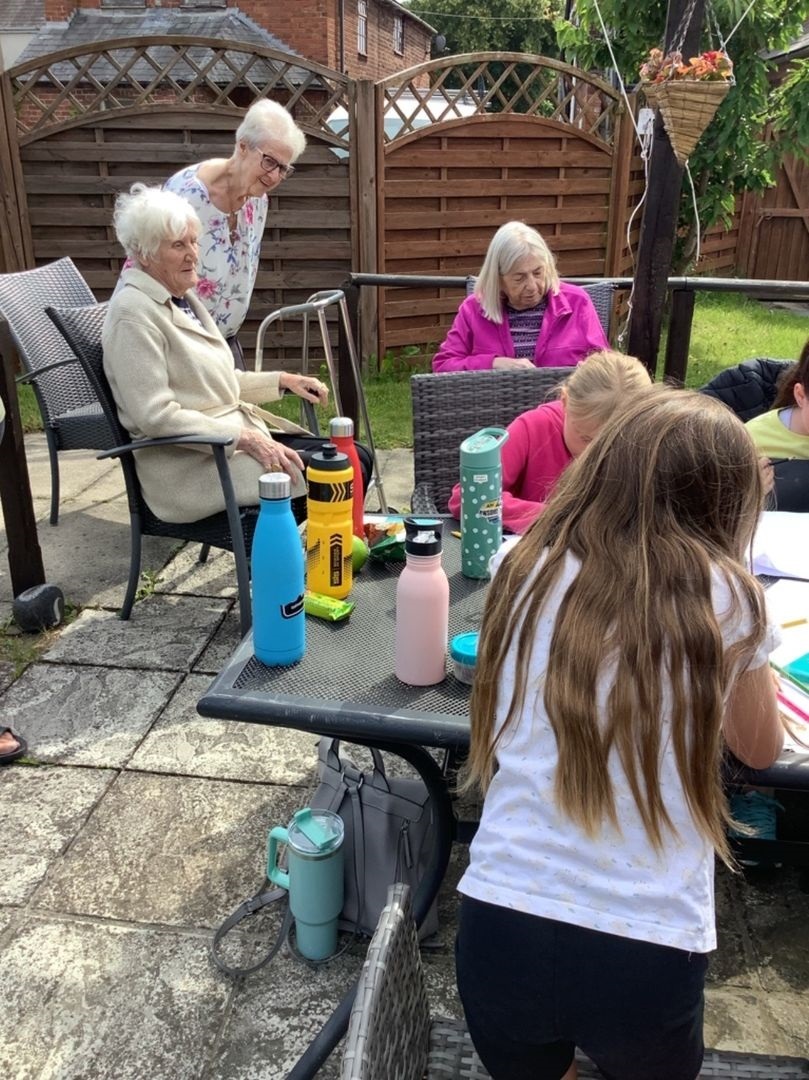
(463, 651)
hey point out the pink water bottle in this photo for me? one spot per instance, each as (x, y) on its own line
(341, 433)
(422, 606)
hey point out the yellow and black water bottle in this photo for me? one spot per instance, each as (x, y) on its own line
(329, 530)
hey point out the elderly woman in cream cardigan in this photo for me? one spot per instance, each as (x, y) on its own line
(171, 371)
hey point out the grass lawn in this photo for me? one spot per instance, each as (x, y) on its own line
(727, 329)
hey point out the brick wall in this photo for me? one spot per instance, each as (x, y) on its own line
(311, 28)
(381, 60)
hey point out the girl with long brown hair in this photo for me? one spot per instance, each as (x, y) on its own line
(623, 646)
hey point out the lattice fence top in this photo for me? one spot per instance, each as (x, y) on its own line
(485, 84)
(132, 73)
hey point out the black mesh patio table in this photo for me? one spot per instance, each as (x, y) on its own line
(344, 685)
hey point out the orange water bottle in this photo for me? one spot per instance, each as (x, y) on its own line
(329, 529)
(341, 433)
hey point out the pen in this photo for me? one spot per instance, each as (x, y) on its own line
(793, 622)
(779, 460)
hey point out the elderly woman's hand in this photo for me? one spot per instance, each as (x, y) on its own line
(305, 386)
(271, 455)
(504, 363)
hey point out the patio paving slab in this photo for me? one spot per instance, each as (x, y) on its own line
(277, 1012)
(744, 1021)
(85, 715)
(164, 632)
(172, 850)
(185, 574)
(42, 809)
(184, 742)
(776, 915)
(88, 1001)
(222, 646)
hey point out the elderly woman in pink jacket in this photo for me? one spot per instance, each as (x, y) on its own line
(520, 315)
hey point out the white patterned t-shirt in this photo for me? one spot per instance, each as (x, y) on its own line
(227, 270)
(529, 857)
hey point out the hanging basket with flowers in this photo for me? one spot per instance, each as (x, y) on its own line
(687, 95)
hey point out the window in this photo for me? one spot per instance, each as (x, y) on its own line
(398, 34)
(362, 27)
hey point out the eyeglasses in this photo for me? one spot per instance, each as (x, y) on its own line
(269, 164)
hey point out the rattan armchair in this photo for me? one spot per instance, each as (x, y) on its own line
(449, 407)
(391, 1035)
(70, 413)
(232, 529)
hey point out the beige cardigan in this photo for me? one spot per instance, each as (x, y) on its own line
(172, 376)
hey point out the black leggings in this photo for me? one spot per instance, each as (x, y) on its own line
(534, 989)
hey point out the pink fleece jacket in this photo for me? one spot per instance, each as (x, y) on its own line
(534, 456)
(570, 331)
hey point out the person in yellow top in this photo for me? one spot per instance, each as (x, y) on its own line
(783, 431)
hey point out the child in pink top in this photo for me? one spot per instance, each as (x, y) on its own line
(543, 441)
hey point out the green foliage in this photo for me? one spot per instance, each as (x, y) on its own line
(496, 26)
(731, 157)
(29, 410)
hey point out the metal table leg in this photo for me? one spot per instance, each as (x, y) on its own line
(336, 1026)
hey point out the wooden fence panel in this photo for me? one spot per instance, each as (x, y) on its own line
(774, 227)
(92, 120)
(498, 137)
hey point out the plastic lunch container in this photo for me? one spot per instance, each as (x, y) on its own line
(463, 650)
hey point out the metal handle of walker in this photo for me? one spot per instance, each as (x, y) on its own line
(316, 305)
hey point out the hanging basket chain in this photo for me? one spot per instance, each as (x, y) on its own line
(682, 28)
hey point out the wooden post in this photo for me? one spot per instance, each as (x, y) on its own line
(622, 152)
(660, 214)
(682, 316)
(15, 238)
(24, 555)
(363, 149)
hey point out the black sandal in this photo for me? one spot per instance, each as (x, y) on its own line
(12, 755)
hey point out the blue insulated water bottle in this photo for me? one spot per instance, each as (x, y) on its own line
(481, 500)
(279, 628)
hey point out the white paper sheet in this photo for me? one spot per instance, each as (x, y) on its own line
(781, 545)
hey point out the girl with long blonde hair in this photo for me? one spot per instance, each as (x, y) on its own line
(543, 441)
(623, 646)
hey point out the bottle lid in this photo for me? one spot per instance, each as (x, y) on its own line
(464, 648)
(274, 485)
(341, 426)
(329, 457)
(422, 535)
(483, 448)
(315, 832)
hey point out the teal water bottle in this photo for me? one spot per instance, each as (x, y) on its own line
(314, 879)
(481, 500)
(279, 627)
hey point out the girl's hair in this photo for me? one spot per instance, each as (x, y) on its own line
(603, 383)
(267, 119)
(666, 495)
(511, 242)
(794, 374)
(147, 216)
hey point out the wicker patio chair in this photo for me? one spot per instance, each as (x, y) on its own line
(70, 413)
(232, 529)
(449, 407)
(602, 294)
(391, 1035)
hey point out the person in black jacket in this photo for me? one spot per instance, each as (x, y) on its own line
(753, 388)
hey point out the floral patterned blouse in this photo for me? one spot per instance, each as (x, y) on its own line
(227, 271)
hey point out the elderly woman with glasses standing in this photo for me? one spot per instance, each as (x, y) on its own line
(230, 198)
(520, 314)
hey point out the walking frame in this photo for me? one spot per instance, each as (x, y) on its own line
(316, 305)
